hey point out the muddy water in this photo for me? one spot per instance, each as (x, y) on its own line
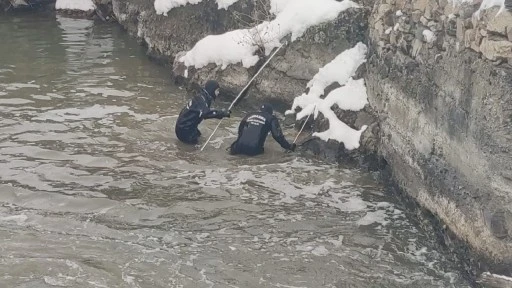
(95, 190)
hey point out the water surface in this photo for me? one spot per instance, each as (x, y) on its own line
(96, 191)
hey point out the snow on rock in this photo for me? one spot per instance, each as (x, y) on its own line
(224, 4)
(351, 96)
(83, 5)
(164, 6)
(502, 277)
(338, 70)
(429, 36)
(356, 92)
(293, 17)
(229, 48)
(460, 2)
(486, 4)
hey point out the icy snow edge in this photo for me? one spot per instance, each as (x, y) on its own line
(351, 96)
(83, 5)
(239, 46)
(162, 7)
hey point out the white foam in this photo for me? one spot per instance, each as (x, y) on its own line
(378, 216)
(17, 86)
(320, 251)
(19, 219)
(352, 204)
(14, 101)
(105, 91)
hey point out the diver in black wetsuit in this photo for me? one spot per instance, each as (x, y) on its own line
(253, 131)
(197, 110)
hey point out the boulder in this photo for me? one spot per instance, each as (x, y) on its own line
(500, 23)
(493, 50)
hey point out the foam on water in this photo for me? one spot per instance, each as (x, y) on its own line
(14, 101)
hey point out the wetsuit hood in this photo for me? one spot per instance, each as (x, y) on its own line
(267, 108)
(210, 87)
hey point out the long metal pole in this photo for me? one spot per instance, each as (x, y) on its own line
(304, 125)
(241, 92)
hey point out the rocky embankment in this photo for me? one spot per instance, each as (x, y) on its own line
(441, 82)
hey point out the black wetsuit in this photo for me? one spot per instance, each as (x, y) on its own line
(253, 131)
(197, 110)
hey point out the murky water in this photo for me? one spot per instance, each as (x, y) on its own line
(95, 190)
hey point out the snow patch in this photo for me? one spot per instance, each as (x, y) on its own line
(497, 276)
(83, 5)
(351, 96)
(229, 48)
(162, 7)
(460, 2)
(224, 4)
(399, 13)
(486, 4)
(429, 36)
(238, 46)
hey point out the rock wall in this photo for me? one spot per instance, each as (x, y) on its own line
(284, 78)
(440, 80)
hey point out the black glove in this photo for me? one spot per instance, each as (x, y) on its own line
(293, 147)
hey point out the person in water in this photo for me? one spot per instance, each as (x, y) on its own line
(197, 110)
(253, 131)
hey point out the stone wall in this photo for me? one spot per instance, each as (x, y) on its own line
(440, 80)
(439, 25)
(284, 78)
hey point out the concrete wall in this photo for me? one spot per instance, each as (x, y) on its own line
(445, 110)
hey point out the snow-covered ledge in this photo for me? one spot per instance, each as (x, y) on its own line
(351, 96)
(75, 5)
